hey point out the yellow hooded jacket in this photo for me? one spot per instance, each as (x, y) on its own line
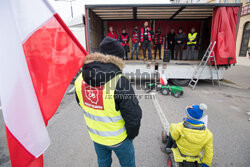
(192, 139)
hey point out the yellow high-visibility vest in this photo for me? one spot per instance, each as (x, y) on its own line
(192, 37)
(105, 124)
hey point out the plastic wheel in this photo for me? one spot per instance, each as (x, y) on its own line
(171, 162)
(182, 92)
(164, 137)
(165, 91)
(177, 95)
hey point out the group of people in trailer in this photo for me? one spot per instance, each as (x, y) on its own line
(175, 42)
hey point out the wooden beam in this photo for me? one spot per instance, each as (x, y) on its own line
(156, 10)
(155, 14)
(118, 17)
(108, 10)
(198, 17)
(195, 14)
(171, 13)
(160, 7)
(114, 12)
(146, 17)
(198, 10)
(199, 7)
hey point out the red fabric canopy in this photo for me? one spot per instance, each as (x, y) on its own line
(224, 33)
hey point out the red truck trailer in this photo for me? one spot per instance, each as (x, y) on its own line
(213, 22)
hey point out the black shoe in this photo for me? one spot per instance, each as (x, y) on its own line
(166, 150)
(163, 149)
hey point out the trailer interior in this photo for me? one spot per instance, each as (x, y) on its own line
(163, 16)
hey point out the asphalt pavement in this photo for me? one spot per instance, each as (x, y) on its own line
(238, 75)
(227, 119)
(71, 144)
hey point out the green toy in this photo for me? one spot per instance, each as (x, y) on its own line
(176, 91)
(165, 89)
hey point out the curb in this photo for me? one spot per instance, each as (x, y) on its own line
(231, 85)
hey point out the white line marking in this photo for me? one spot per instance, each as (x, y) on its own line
(160, 113)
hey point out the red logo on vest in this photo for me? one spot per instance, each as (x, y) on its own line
(93, 96)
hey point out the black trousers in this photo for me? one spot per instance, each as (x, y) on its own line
(171, 142)
(126, 48)
(126, 56)
(179, 51)
(147, 45)
(171, 48)
(158, 47)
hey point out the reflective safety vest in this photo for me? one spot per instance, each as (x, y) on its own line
(142, 35)
(112, 35)
(125, 39)
(105, 124)
(135, 37)
(192, 37)
(156, 39)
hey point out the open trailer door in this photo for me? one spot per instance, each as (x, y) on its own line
(224, 30)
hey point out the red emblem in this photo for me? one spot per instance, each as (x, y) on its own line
(93, 96)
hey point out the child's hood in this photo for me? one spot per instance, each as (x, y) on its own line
(195, 136)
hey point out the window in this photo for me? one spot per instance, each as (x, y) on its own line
(225, 1)
(237, 1)
(245, 40)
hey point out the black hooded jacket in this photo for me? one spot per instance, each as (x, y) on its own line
(171, 38)
(99, 69)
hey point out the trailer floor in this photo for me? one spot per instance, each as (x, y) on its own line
(177, 62)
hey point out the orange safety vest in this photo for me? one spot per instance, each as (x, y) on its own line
(125, 39)
(156, 39)
(149, 35)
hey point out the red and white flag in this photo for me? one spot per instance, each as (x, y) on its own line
(39, 57)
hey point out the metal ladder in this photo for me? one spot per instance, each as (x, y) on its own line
(206, 60)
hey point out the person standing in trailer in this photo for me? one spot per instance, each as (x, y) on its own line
(145, 40)
(191, 43)
(112, 34)
(171, 42)
(135, 40)
(180, 39)
(158, 42)
(124, 40)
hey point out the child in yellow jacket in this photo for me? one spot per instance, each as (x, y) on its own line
(191, 136)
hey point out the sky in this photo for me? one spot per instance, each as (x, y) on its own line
(64, 10)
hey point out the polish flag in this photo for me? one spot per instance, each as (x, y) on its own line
(39, 56)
